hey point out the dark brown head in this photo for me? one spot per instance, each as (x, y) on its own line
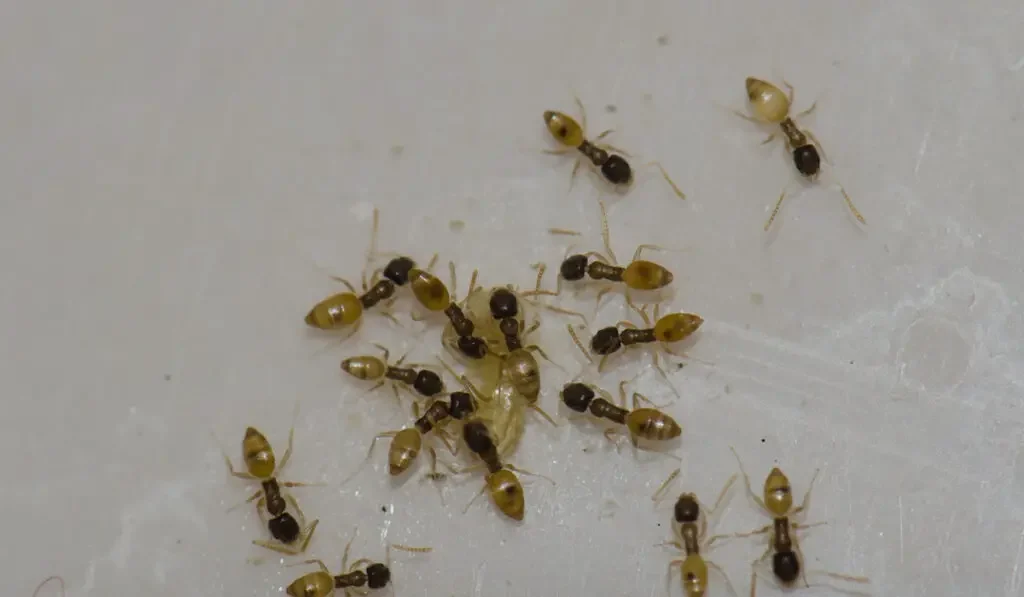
(807, 160)
(687, 508)
(477, 437)
(377, 576)
(504, 304)
(397, 270)
(461, 404)
(786, 566)
(606, 341)
(574, 268)
(428, 383)
(472, 347)
(284, 528)
(577, 396)
(616, 170)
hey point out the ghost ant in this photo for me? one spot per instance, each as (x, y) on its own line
(425, 382)
(345, 309)
(771, 106)
(261, 466)
(777, 502)
(609, 160)
(647, 423)
(406, 443)
(322, 583)
(639, 274)
(667, 329)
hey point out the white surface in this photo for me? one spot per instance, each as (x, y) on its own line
(171, 172)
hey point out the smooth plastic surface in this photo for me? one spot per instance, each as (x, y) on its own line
(171, 173)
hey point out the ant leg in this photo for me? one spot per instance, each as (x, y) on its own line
(308, 535)
(664, 174)
(849, 203)
(247, 476)
(808, 111)
(575, 171)
(747, 117)
(575, 340)
(583, 113)
(663, 490)
(609, 435)
(746, 481)
(411, 549)
(656, 358)
(475, 498)
(347, 284)
(641, 248)
(721, 495)
(768, 140)
(369, 453)
(807, 496)
(323, 567)
(775, 212)
(546, 416)
(360, 562)
(249, 500)
(791, 96)
(600, 366)
(604, 134)
(638, 397)
(668, 574)
(521, 471)
(386, 353)
(718, 569)
(606, 235)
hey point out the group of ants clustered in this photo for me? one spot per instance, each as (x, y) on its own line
(485, 332)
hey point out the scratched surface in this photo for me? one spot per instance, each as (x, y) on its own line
(174, 175)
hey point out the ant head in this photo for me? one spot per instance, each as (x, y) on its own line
(807, 160)
(504, 304)
(428, 383)
(574, 267)
(617, 170)
(462, 404)
(377, 576)
(397, 270)
(606, 341)
(472, 347)
(577, 396)
(786, 566)
(687, 508)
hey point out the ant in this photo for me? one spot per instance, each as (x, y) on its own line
(261, 466)
(322, 583)
(690, 526)
(425, 382)
(346, 308)
(613, 166)
(639, 274)
(501, 482)
(406, 443)
(771, 106)
(519, 364)
(643, 423)
(777, 502)
(667, 329)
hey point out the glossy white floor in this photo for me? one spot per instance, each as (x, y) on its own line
(172, 172)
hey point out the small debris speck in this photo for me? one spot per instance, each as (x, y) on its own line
(757, 298)
(728, 389)
(763, 440)
(456, 225)
(167, 377)
(611, 108)
(383, 508)
(851, 362)
(648, 97)
(662, 40)
(397, 150)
